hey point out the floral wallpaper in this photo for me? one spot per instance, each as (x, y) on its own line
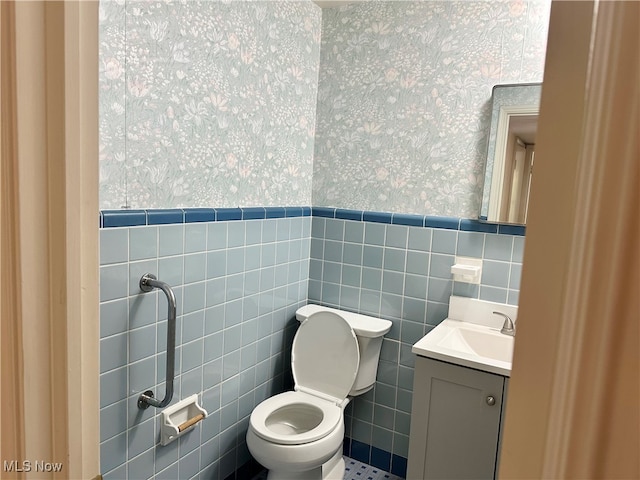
(404, 99)
(207, 103)
(213, 103)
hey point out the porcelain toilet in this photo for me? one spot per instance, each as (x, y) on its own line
(299, 434)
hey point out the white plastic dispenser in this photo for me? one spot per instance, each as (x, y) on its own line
(466, 269)
(180, 418)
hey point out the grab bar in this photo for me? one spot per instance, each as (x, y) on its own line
(147, 283)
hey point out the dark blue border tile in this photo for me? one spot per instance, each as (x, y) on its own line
(224, 214)
(346, 446)
(374, 456)
(132, 218)
(408, 219)
(469, 225)
(293, 211)
(162, 216)
(275, 212)
(346, 214)
(450, 223)
(323, 212)
(253, 213)
(360, 451)
(194, 215)
(249, 469)
(378, 217)
(399, 466)
(123, 218)
(512, 229)
(380, 459)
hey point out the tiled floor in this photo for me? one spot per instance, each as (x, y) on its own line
(354, 470)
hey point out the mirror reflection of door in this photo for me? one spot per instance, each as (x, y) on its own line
(519, 159)
(514, 113)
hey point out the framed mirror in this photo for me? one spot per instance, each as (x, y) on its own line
(510, 153)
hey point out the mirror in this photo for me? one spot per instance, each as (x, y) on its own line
(510, 153)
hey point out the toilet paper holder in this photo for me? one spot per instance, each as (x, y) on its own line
(180, 418)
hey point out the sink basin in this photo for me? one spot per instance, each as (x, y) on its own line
(484, 344)
(470, 345)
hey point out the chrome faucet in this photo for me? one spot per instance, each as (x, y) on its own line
(508, 328)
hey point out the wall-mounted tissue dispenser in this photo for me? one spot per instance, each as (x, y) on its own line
(466, 269)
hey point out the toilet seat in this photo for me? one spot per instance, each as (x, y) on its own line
(324, 359)
(330, 413)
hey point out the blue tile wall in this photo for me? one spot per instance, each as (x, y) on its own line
(237, 284)
(401, 271)
(239, 275)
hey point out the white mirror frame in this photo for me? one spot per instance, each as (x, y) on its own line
(502, 133)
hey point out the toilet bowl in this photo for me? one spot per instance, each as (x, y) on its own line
(296, 435)
(299, 434)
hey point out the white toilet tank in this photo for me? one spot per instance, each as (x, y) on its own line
(369, 332)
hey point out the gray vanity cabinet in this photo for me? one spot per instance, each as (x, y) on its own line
(455, 422)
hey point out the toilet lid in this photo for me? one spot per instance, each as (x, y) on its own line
(325, 356)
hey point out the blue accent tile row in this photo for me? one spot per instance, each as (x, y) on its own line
(323, 212)
(275, 212)
(408, 220)
(293, 212)
(224, 214)
(377, 217)
(254, 213)
(414, 220)
(195, 215)
(399, 466)
(468, 225)
(132, 218)
(381, 459)
(506, 229)
(123, 218)
(345, 214)
(449, 223)
(135, 218)
(165, 216)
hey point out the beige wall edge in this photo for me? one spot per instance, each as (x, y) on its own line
(81, 180)
(573, 398)
(11, 415)
(56, 92)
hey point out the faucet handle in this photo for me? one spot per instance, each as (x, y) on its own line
(508, 327)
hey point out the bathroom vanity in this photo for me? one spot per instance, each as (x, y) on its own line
(460, 384)
(456, 421)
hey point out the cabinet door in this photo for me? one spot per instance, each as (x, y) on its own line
(455, 422)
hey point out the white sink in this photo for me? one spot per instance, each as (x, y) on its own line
(487, 344)
(475, 345)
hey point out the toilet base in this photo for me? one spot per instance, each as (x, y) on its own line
(333, 469)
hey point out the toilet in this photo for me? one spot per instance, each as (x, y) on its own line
(298, 435)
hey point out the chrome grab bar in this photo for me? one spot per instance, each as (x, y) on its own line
(147, 283)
